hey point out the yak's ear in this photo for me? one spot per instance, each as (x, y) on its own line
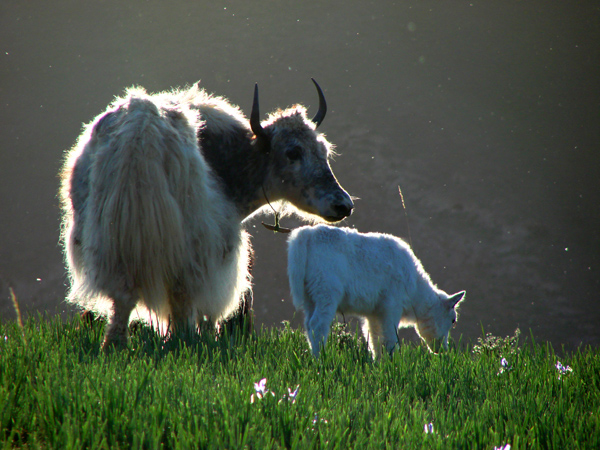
(455, 299)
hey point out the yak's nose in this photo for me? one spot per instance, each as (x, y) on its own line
(343, 209)
(339, 207)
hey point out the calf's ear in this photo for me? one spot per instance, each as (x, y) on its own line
(455, 299)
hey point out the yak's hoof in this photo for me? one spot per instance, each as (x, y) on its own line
(110, 345)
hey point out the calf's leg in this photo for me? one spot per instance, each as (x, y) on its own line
(318, 325)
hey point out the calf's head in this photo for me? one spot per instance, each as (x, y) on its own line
(298, 168)
(435, 326)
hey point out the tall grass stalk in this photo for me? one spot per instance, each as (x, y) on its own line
(192, 391)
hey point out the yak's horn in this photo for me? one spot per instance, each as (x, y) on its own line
(322, 106)
(255, 125)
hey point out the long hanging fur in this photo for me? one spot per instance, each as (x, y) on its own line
(144, 219)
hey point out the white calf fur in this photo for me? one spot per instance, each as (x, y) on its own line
(374, 276)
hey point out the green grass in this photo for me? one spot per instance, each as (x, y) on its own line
(58, 390)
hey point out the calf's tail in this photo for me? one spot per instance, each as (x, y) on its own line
(297, 261)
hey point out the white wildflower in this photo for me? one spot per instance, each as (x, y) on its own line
(291, 395)
(562, 370)
(317, 420)
(504, 366)
(261, 390)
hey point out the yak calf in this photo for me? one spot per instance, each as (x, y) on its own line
(374, 276)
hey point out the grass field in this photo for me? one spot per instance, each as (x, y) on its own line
(58, 390)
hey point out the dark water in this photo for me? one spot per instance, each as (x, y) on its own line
(487, 114)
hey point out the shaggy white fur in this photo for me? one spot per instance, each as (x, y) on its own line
(154, 229)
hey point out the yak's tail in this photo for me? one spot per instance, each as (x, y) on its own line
(297, 261)
(134, 226)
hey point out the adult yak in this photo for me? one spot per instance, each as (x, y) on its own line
(154, 194)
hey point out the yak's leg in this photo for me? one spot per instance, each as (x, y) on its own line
(183, 317)
(243, 318)
(116, 331)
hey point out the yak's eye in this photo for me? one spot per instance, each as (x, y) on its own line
(294, 153)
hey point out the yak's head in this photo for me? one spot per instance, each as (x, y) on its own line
(298, 168)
